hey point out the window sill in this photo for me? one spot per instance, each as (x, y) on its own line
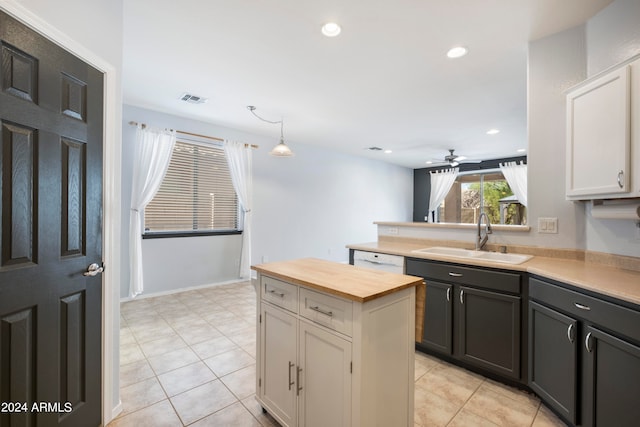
(174, 234)
(452, 225)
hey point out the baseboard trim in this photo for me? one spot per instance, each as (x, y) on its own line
(178, 290)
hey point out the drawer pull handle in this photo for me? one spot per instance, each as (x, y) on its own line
(291, 365)
(299, 387)
(321, 311)
(372, 262)
(582, 307)
(276, 293)
(620, 176)
(461, 296)
(587, 342)
(448, 294)
(569, 333)
(452, 274)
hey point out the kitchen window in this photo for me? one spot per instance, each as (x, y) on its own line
(196, 195)
(475, 192)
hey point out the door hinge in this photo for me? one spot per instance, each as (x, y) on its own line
(259, 382)
(351, 368)
(260, 317)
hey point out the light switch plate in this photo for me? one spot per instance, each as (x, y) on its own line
(548, 225)
(392, 230)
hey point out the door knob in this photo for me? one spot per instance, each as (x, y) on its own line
(93, 270)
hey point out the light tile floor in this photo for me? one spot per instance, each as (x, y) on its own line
(188, 359)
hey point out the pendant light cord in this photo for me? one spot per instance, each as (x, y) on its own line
(280, 122)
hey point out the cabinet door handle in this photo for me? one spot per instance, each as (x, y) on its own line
(569, 333)
(448, 294)
(291, 365)
(298, 388)
(321, 311)
(276, 293)
(461, 296)
(587, 342)
(582, 306)
(452, 274)
(620, 176)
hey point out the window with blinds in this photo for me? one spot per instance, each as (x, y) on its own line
(196, 194)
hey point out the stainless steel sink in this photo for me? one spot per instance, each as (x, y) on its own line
(471, 254)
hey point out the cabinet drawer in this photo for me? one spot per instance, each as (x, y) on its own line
(452, 273)
(332, 312)
(614, 317)
(280, 293)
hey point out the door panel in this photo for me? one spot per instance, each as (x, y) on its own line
(489, 330)
(553, 366)
(438, 318)
(612, 380)
(279, 338)
(324, 378)
(51, 230)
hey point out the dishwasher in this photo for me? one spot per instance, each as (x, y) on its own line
(376, 261)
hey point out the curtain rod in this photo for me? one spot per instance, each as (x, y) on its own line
(194, 134)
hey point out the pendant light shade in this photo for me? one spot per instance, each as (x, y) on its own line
(280, 150)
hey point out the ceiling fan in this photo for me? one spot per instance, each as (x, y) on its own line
(450, 159)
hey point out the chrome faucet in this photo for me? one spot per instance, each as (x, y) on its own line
(482, 240)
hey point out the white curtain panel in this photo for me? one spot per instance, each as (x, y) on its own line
(152, 154)
(441, 182)
(239, 159)
(516, 176)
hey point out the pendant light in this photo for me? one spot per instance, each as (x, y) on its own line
(280, 150)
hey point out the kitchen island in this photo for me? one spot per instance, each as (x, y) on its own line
(335, 344)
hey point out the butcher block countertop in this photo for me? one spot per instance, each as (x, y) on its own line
(619, 283)
(343, 280)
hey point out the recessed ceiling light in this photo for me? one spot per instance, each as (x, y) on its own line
(522, 150)
(457, 52)
(493, 131)
(429, 162)
(388, 151)
(331, 29)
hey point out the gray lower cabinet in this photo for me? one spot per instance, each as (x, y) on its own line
(611, 393)
(472, 315)
(438, 317)
(553, 367)
(489, 330)
(585, 355)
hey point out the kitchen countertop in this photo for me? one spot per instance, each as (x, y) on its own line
(354, 283)
(611, 281)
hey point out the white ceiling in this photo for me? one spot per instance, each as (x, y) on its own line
(385, 81)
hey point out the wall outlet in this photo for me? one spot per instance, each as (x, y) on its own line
(392, 230)
(265, 258)
(548, 225)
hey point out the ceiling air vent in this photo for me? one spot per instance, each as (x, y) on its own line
(374, 148)
(193, 99)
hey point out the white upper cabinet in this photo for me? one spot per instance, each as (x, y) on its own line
(603, 141)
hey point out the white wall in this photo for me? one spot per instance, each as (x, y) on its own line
(310, 205)
(555, 64)
(613, 36)
(319, 201)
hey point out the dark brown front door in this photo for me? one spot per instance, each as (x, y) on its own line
(50, 232)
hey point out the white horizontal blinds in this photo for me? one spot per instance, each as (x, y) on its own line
(196, 194)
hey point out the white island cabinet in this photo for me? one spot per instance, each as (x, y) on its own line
(335, 344)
